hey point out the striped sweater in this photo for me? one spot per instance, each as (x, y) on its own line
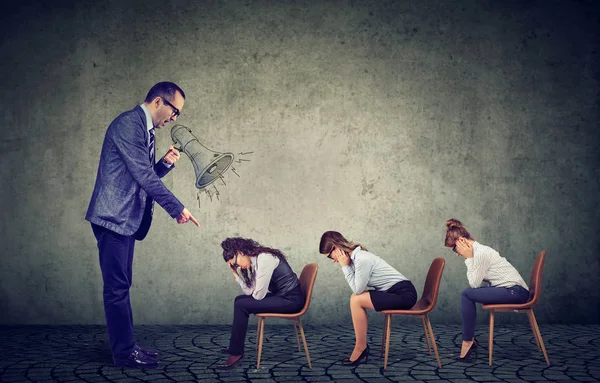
(487, 265)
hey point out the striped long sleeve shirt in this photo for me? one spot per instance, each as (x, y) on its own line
(487, 265)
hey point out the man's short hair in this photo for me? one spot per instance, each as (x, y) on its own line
(165, 90)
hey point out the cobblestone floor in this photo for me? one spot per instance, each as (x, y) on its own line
(189, 353)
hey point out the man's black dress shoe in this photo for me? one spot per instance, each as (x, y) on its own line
(150, 353)
(137, 359)
(231, 362)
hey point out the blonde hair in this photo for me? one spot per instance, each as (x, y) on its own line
(455, 230)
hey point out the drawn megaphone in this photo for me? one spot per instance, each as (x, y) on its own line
(208, 164)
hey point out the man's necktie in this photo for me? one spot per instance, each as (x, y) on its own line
(149, 209)
(151, 146)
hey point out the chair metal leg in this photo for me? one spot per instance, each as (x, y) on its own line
(388, 325)
(491, 338)
(296, 333)
(304, 341)
(437, 356)
(261, 329)
(426, 335)
(539, 335)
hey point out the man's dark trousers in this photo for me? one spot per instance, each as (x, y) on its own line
(116, 259)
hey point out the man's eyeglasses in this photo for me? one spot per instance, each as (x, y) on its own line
(454, 249)
(235, 264)
(175, 112)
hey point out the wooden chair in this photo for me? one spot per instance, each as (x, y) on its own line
(307, 282)
(421, 310)
(535, 291)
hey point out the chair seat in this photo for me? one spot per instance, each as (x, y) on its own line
(506, 306)
(276, 315)
(422, 307)
(405, 312)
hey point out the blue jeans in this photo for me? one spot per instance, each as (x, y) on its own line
(486, 295)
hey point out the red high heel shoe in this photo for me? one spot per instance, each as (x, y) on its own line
(231, 362)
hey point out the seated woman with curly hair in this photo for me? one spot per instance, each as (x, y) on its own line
(269, 285)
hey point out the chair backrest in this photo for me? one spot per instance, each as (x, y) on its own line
(307, 282)
(432, 285)
(535, 282)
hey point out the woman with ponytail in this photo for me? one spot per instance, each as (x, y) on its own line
(269, 285)
(502, 283)
(362, 269)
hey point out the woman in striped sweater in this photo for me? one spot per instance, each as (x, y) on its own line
(492, 278)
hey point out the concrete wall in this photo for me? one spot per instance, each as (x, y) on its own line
(378, 119)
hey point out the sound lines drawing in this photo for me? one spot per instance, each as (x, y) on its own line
(209, 165)
(212, 192)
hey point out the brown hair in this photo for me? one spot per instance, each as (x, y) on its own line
(455, 230)
(329, 239)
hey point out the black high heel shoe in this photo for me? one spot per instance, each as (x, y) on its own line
(353, 363)
(467, 356)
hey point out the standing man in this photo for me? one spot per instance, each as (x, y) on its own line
(120, 211)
